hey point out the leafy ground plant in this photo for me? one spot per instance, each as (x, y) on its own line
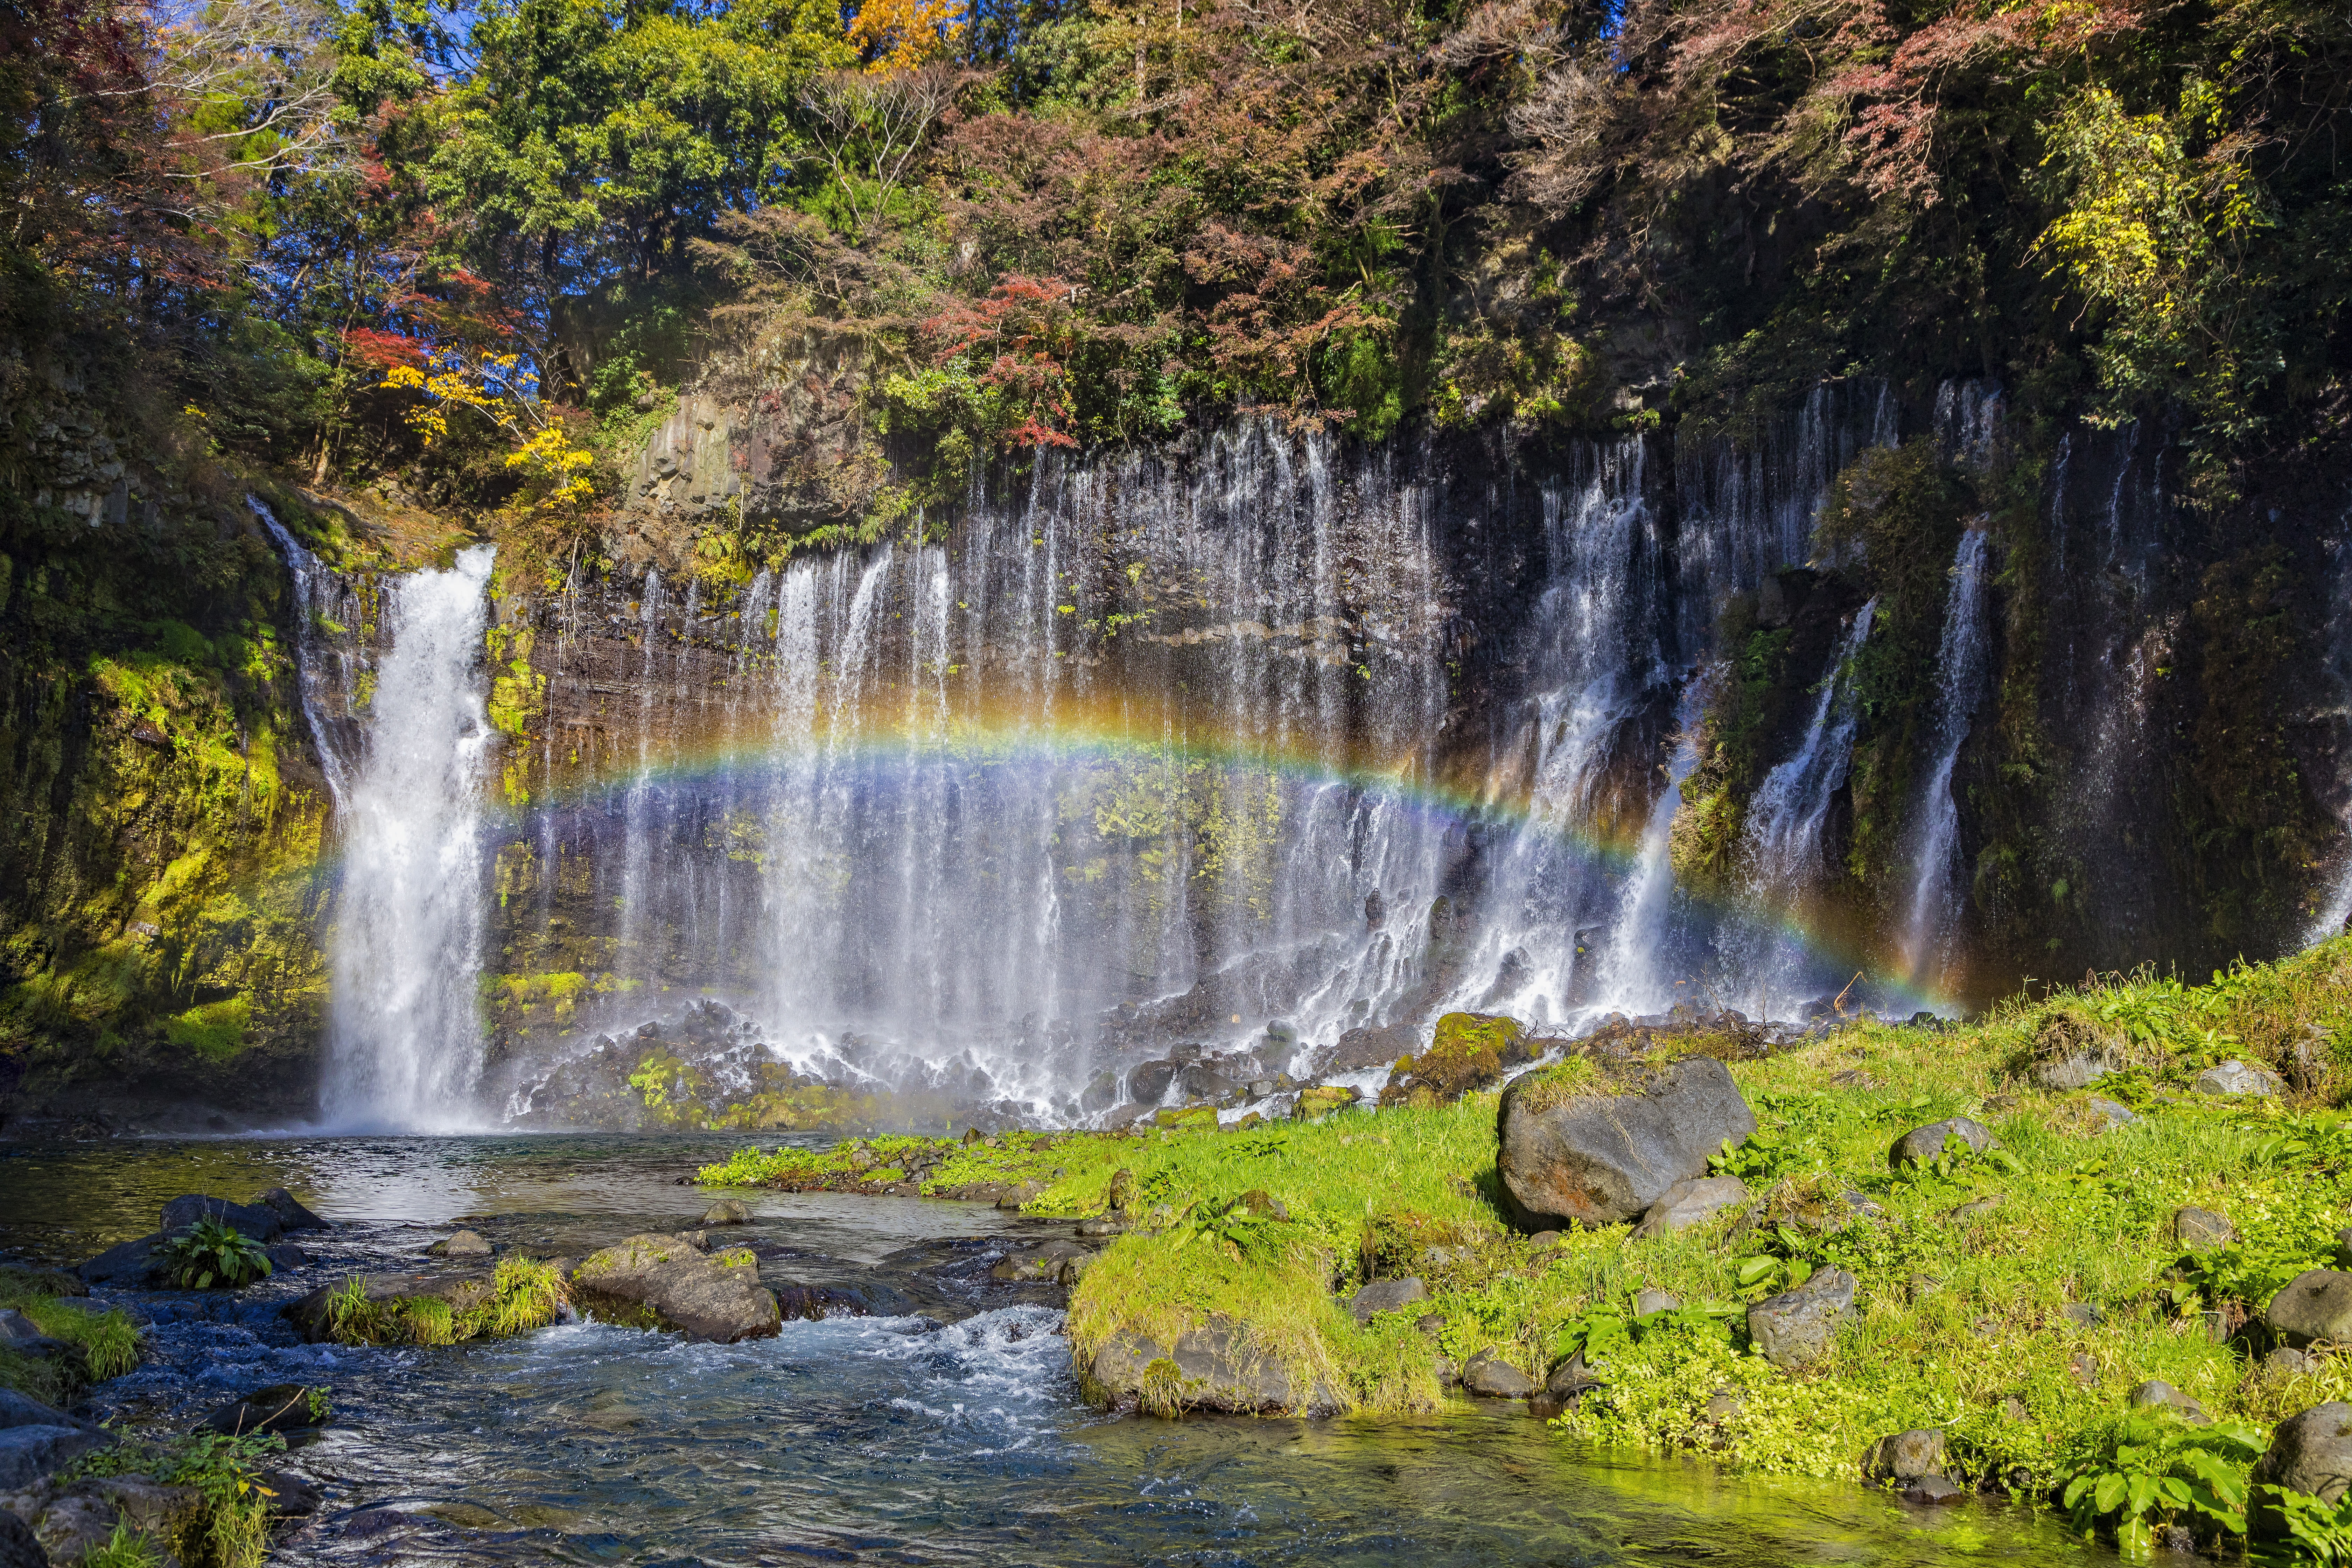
(213, 1253)
(228, 1527)
(2153, 1467)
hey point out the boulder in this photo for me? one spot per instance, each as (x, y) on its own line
(258, 1221)
(1598, 1153)
(1687, 1204)
(1922, 1144)
(2237, 1077)
(1645, 1302)
(2110, 1112)
(2078, 1068)
(73, 1520)
(1490, 1378)
(2201, 1230)
(280, 1407)
(21, 1334)
(1060, 1262)
(289, 1211)
(2308, 1453)
(129, 1265)
(1797, 1327)
(464, 1244)
(1215, 1367)
(1903, 1457)
(2286, 1362)
(28, 1453)
(1387, 1296)
(707, 1296)
(1146, 1082)
(728, 1211)
(2315, 1307)
(24, 1410)
(19, 1547)
(2156, 1393)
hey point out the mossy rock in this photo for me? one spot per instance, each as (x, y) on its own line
(1468, 1051)
(1323, 1099)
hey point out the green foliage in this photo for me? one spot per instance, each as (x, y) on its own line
(2314, 1530)
(212, 1253)
(126, 1548)
(525, 1294)
(229, 1526)
(2152, 1467)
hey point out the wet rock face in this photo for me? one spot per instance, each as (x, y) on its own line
(707, 1296)
(1611, 1151)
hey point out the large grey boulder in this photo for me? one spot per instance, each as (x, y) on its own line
(2316, 1307)
(2237, 1077)
(1215, 1367)
(289, 1211)
(1905, 1457)
(1797, 1327)
(1607, 1152)
(707, 1296)
(1387, 1296)
(1490, 1378)
(28, 1453)
(1687, 1204)
(1922, 1144)
(2308, 1453)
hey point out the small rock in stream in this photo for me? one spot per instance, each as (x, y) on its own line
(280, 1407)
(464, 1244)
(728, 1211)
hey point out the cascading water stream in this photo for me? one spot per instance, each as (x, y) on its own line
(1630, 978)
(312, 603)
(404, 1042)
(1783, 837)
(1929, 928)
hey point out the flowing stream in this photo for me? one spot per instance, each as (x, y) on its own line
(948, 1431)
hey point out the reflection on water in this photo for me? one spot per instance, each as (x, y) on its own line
(866, 1440)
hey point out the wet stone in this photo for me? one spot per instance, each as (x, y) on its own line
(2201, 1230)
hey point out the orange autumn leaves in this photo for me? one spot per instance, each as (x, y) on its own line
(895, 35)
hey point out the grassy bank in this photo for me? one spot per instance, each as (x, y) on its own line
(103, 1344)
(2010, 1301)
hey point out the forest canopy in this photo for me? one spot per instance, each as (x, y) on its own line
(458, 242)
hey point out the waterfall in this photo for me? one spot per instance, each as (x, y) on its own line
(1631, 980)
(1930, 926)
(1595, 637)
(1782, 844)
(315, 598)
(405, 1040)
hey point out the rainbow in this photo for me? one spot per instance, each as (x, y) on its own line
(1076, 731)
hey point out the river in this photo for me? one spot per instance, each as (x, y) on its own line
(950, 1434)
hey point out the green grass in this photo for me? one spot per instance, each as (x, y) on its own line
(108, 1342)
(228, 1527)
(525, 1294)
(1959, 1324)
